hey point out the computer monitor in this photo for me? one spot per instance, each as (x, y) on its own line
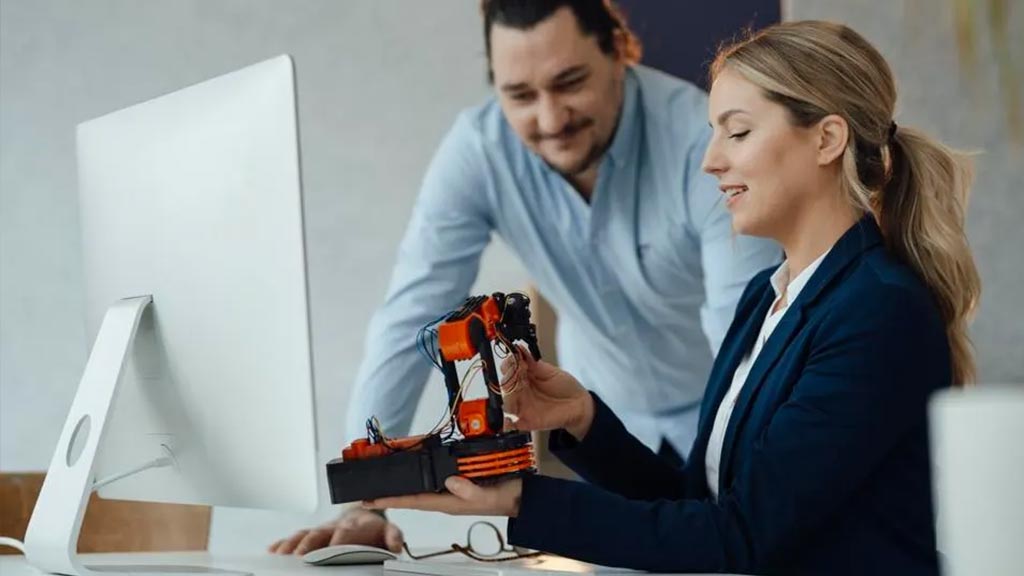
(199, 386)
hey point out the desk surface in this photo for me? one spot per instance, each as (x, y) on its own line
(258, 564)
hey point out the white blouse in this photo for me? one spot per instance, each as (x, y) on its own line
(780, 278)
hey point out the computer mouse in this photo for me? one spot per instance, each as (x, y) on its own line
(347, 554)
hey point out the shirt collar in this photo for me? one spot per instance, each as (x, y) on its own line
(625, 137)
(781, 276)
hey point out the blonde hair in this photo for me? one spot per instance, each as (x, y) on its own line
(916, 188)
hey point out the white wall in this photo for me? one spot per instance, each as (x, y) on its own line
(378, 81)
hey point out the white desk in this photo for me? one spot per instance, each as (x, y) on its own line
(259, 564)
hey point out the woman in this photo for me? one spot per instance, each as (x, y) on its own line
(812, 453)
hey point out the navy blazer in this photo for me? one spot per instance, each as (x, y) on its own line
(825, 466)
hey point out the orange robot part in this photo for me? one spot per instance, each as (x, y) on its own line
(362, 449)
(453, 336)
(472, 418)
(497, 463)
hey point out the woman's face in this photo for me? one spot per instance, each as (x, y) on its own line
(767, 167)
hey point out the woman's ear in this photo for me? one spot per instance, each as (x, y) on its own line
(833, 133)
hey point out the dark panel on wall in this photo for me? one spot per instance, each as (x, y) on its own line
(681, 37)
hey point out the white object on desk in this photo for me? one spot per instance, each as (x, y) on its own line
(347, 554)
(977, 438)
(52, 535)
(259, 564)
(543, 565)
(458, 565)
(199, 387)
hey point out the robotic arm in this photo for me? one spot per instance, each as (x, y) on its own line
(471, 330)
(379, 466)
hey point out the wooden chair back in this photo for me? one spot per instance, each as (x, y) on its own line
(543, 315)
(109, 525)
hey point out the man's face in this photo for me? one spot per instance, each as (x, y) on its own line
(559, 92)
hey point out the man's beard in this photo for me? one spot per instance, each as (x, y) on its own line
(592, 158)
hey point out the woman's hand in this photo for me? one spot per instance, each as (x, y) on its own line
(464, 498)
(540, 396)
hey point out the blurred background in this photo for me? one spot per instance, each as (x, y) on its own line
(390, 75)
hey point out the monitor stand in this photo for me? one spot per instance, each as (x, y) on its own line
(51, 541)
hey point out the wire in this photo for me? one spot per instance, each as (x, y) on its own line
(449, 416)
(427, 345)
(504, 346)
(160, 462)
(426, 341)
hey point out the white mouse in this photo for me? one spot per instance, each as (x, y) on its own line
(347, 554)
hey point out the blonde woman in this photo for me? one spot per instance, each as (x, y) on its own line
(812, 452)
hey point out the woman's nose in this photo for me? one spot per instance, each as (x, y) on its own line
(714, 162)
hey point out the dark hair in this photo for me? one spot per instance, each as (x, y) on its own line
(599, 18)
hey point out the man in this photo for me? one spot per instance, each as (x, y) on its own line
(588, 166)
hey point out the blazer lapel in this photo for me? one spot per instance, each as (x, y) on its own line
(858, 239)
(777, 342)
(732, 352)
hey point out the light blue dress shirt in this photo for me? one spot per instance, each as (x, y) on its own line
(645, 278)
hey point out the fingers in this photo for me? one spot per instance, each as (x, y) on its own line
(511, 421)
(464, 497)
(313, 540)
(508, 364)
(462, 487)
(343, 530)
(510, 411)
(525, 354)
(393, 538)
(429, 502)
(512, 365)
(359, 527)
(519, 359)
(287, 545)
(354, 527)
(339, 536)
(509, 381)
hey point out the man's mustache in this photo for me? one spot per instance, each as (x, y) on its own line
(567, 131)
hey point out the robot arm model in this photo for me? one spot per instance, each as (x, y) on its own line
(469, 440)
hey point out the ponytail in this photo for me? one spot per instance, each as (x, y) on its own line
(921, 213)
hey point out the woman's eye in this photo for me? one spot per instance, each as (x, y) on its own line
(739, 135)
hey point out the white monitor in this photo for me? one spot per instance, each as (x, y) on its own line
(196, 294)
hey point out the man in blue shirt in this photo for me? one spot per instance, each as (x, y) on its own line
(588, 166)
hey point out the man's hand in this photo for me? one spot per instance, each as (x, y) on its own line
(354, 526)
(463, 498)
(540, 396)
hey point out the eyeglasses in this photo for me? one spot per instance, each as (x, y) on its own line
(488, 546)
